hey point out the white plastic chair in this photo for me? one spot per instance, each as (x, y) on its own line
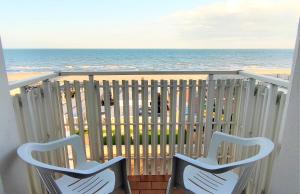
(205, 175)
(87, 177)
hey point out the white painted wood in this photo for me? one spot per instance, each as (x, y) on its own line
(116, 90)
(48, 120)
(209, 110)
(268, 127)
(94, 118)
(154, 130)
(191, 117)
(228, 115)
(275, 136)
(89, 105)
(61, 121)
(145, 128)
(69, 107)
(97, 123)
(32, 80)
(136, 133)
(219, 103)
(181, 125)
(200, 116)
(266, 79)
(78, 101)
(106, 94)
(99, 120)
(163, 125)
(61, 153)
(149, 73)
(125, 93)
(173, 112)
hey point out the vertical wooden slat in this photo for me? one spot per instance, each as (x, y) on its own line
(136, 133)
(17, 104)
(90, 116)
(263, 110)
(116, 90)
(219, 104)
(62, 120)
(40, 103)
(70, 124)
(99, 120)
(248, 113)
(278, 121)
(69, 107)
(125, 92)
(154, 130)
(58, 122)
(173, 113)
(228, 115)
(235, 118)
(35, 181)
(256, 118)
(34, 131)
(107, 96)
(163, 124)
(145, 125)
(78, 101)
(94, 117)
(200, 116)
(191, 117)
(172, 122)
(267, 132)
(209, 110)
(181, 126)
(49, 114)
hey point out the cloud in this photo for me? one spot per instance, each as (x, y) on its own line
(237, 24)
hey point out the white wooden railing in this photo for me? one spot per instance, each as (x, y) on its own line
(147, 121)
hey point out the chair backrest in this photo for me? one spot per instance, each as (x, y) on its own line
(47, 172)
(246, 166)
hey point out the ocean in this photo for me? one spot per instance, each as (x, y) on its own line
(44, 60)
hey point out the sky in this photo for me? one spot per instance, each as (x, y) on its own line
(149, 24)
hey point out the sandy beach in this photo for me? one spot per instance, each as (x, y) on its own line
(25, 75)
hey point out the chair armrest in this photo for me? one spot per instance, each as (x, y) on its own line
(214, 168)
(266, 146)
(75, 141)
(76, 173)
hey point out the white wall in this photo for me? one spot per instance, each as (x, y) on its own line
(286, 173)
(12, 169)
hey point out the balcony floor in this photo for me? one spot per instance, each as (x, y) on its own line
(144, 184)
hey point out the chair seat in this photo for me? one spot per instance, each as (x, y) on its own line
(102, 182)
(200, 181)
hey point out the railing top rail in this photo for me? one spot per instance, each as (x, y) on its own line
(32, 80)
(268, 79)
(148, 73)
(263, 78)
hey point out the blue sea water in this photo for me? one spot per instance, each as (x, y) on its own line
(42, 60)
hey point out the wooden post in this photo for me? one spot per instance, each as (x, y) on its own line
(286, 177)
(13, 173)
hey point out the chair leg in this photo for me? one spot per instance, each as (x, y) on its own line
(170, 187)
